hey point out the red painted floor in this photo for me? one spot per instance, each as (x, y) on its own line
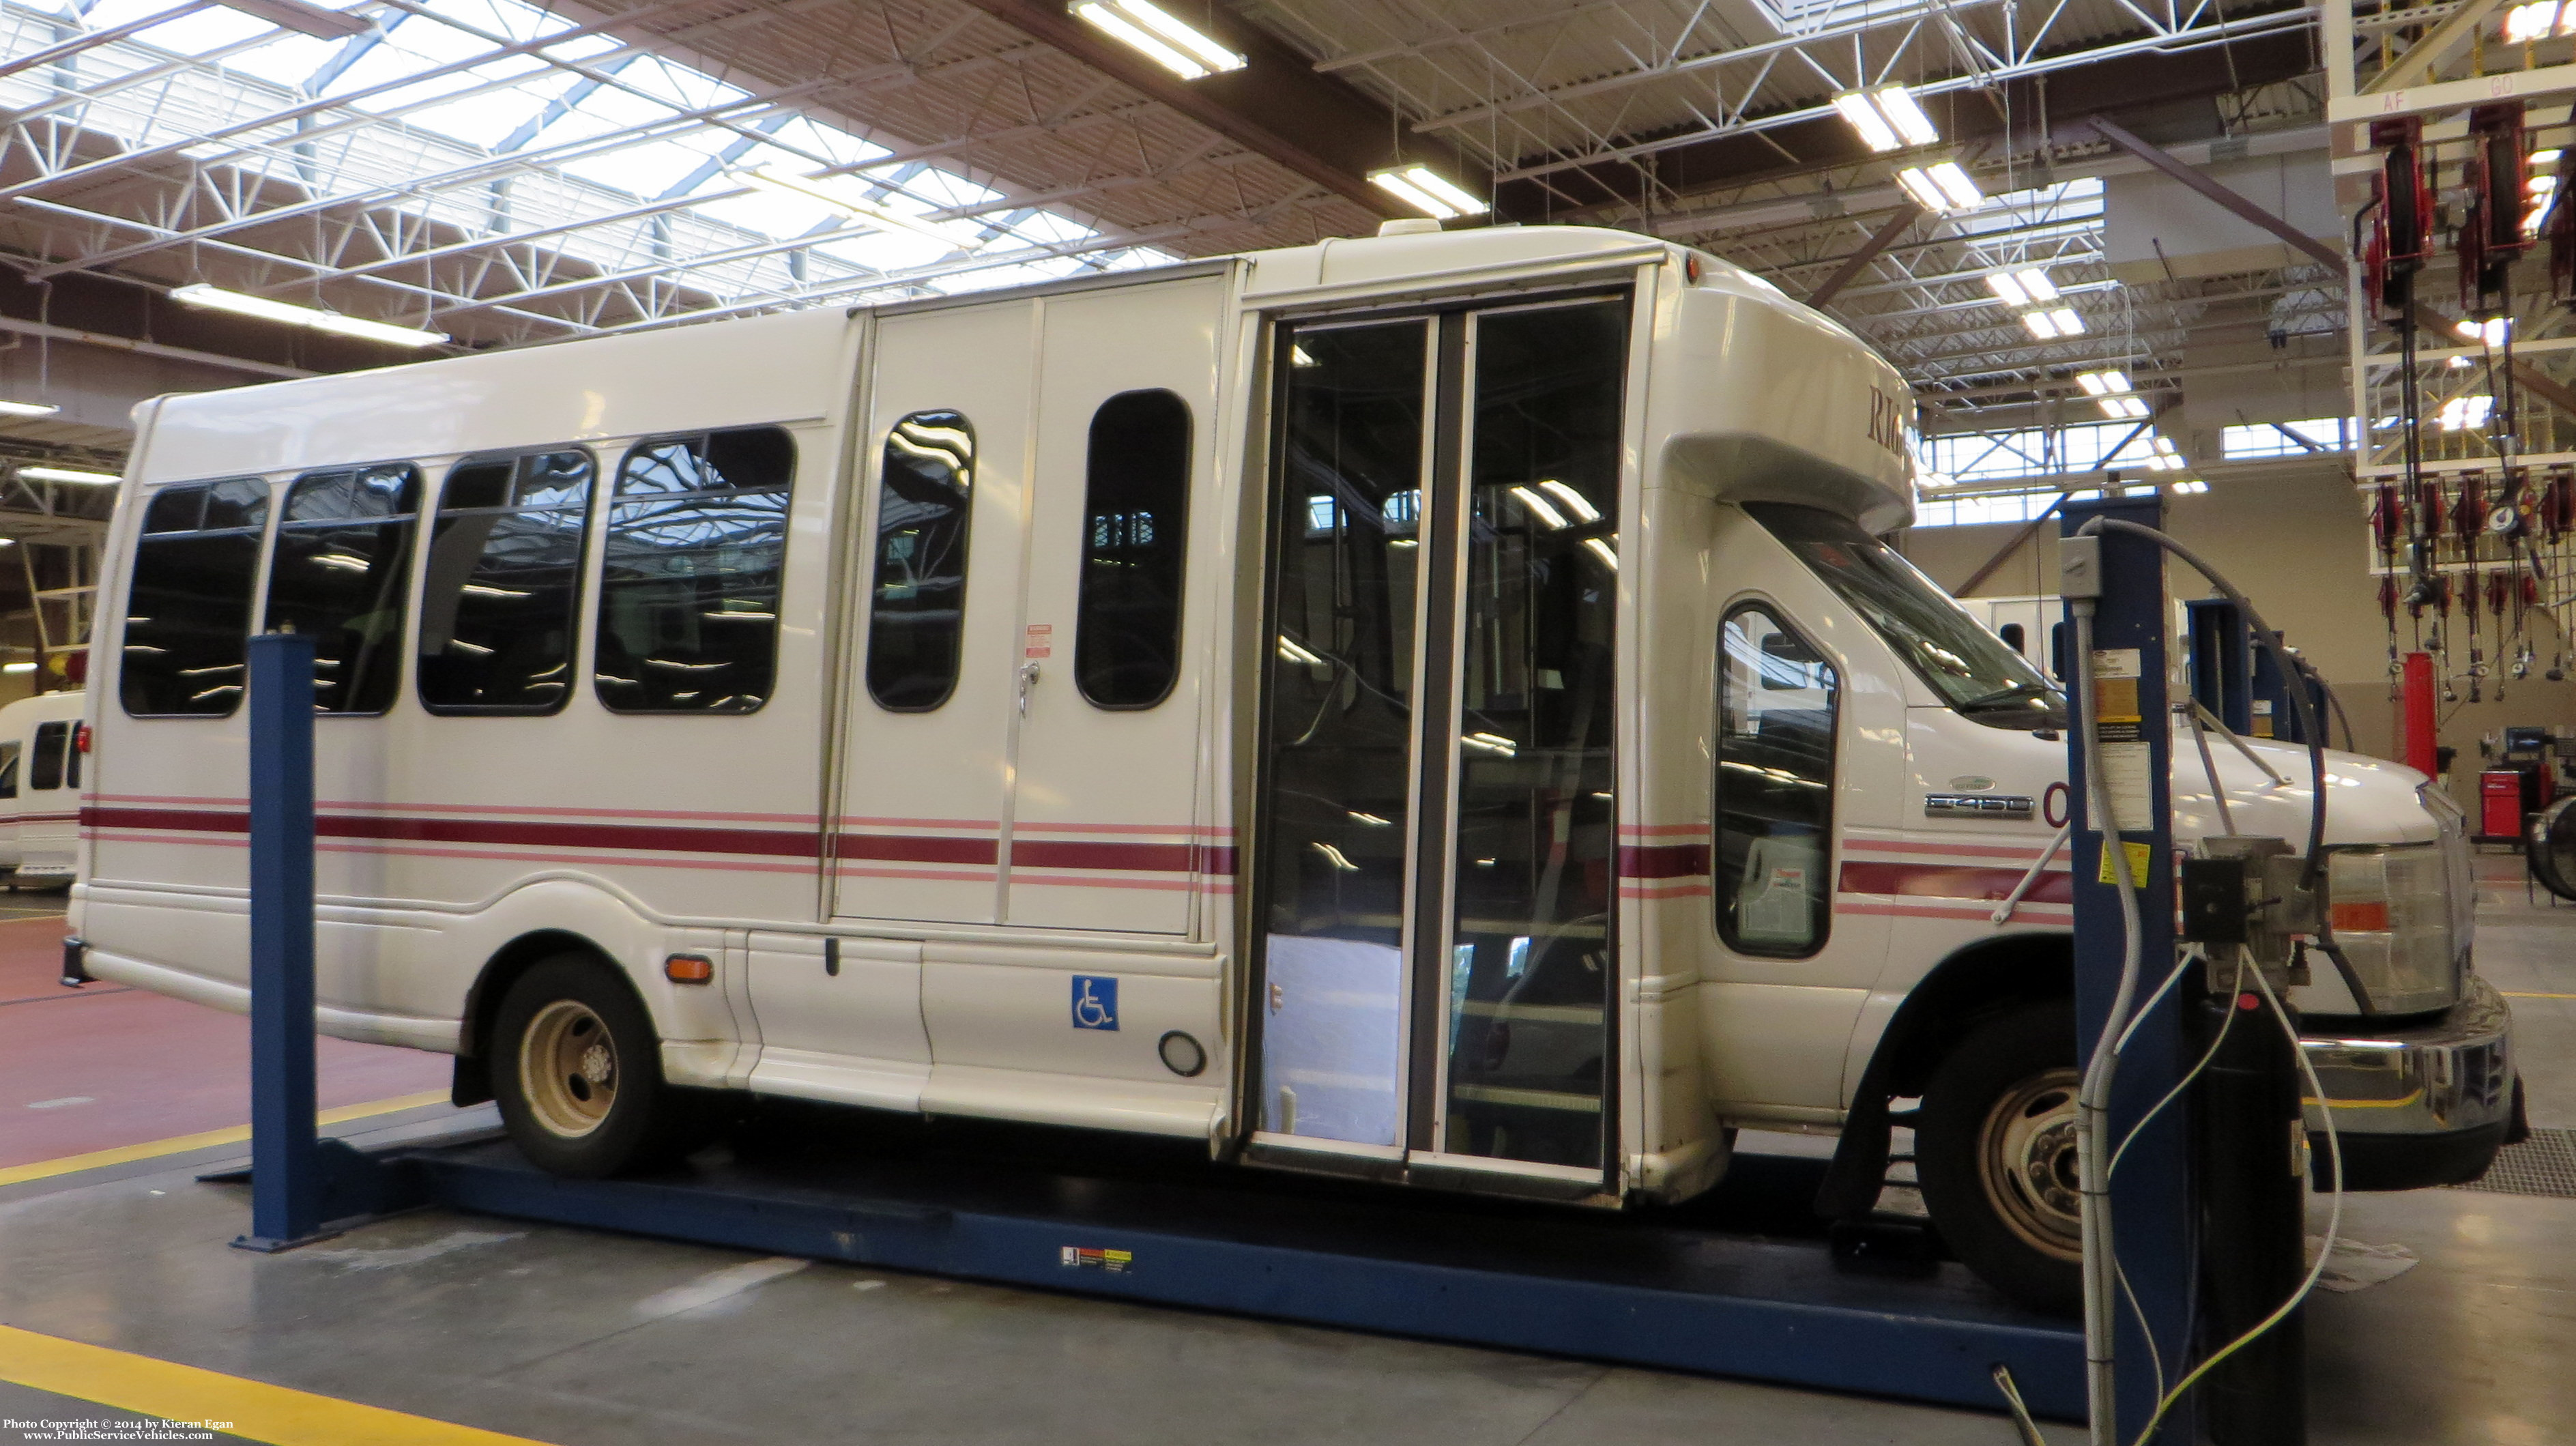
(104, 1066)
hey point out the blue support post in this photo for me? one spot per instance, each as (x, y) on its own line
(2152, 1195)
(287, 1173)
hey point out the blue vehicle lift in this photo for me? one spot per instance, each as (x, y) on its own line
(1685, 1290)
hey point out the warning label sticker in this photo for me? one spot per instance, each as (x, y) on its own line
(1084, 1257)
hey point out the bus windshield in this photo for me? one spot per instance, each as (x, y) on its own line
(1968, 666)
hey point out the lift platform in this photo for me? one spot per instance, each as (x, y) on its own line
(1704, 1289)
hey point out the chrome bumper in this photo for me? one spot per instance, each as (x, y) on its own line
(2446, 1077)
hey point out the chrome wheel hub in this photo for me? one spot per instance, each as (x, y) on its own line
(2027, 1162)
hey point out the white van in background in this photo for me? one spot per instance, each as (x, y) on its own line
(40, 780)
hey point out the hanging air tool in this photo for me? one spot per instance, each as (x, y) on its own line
(2401, 241)
(2489, 241)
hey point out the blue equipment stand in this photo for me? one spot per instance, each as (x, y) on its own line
(2152, 1196)
(298, 1183)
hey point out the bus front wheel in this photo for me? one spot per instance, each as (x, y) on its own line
(577, 1071)
(1994, 1151)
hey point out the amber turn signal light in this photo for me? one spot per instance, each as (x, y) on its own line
(689, 969)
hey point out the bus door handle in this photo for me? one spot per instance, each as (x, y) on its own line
(1028, 680)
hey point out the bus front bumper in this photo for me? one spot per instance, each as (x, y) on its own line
(2429, 1104)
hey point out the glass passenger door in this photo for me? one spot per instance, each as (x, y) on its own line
(1437, 805)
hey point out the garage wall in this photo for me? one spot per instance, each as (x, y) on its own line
(2293, 539)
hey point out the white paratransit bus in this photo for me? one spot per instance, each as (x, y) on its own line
(40, 789)
(1431, 707)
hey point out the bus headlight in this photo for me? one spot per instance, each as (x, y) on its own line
(2393, 914)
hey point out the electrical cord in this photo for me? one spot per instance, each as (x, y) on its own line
(2334, 1222)
(2093, 1096)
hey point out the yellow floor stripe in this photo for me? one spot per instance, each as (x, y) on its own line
(203, 1140)
(2510, 994)
(251, 1409)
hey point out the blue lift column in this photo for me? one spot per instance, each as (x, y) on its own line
(286, 1168)
(2152, 1197)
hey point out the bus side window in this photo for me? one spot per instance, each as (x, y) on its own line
(1777, 698)
(53, 746)
(341, 573)
(9, 769)
(503, 584)
(1127, 632)
(917, 597)
(187, 614)
(693, 552)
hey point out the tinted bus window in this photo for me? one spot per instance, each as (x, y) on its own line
(917, 601)
(9, 769)
(187, 615)
(1777, 697)
(692, 555)
(340, 574)
(53, 748)
(1127, 633)
(503, 584)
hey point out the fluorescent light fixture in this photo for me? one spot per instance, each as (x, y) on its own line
(2543, 182)
(1335, 857)
(849, 195)
(2051, 324)
(295, 15)
(215, 298)
(1290, 650)
(2524, 24)
(2490, 333)
(27, 409)
(2192, 487)
(1598, 548)
(1943, 188)
(2465, 414)
(1425, 191)
(2548, 157)
(1491, 743)
(2102, 383)
(1873, 128)
(1887, 118)
(1575, 503)
(1297, 357)
(69, 474)
(1372, 820)
(1537, 507)
(17, 667)
(1160, 37)
(2026, 286)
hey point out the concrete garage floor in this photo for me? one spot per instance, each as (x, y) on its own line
(574, 1338)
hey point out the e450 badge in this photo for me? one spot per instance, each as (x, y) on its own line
(1084, 1257)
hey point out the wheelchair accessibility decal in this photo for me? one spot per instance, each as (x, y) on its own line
(1095, 1002)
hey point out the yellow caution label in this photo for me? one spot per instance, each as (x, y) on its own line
(2138, 855)
(2115, 700)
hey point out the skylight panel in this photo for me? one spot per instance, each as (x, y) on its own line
(512, 18)
(646, 171)
(210, 29)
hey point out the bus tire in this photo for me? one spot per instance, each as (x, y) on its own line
(577, 1071)
(1994, 1152)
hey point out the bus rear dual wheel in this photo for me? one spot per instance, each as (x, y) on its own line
(577, 1071)
(1994, 1152)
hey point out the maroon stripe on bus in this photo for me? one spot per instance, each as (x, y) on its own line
(774, 843)
(1125, 857)
(1662, 861)
(916, 848)
(1952, 881)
